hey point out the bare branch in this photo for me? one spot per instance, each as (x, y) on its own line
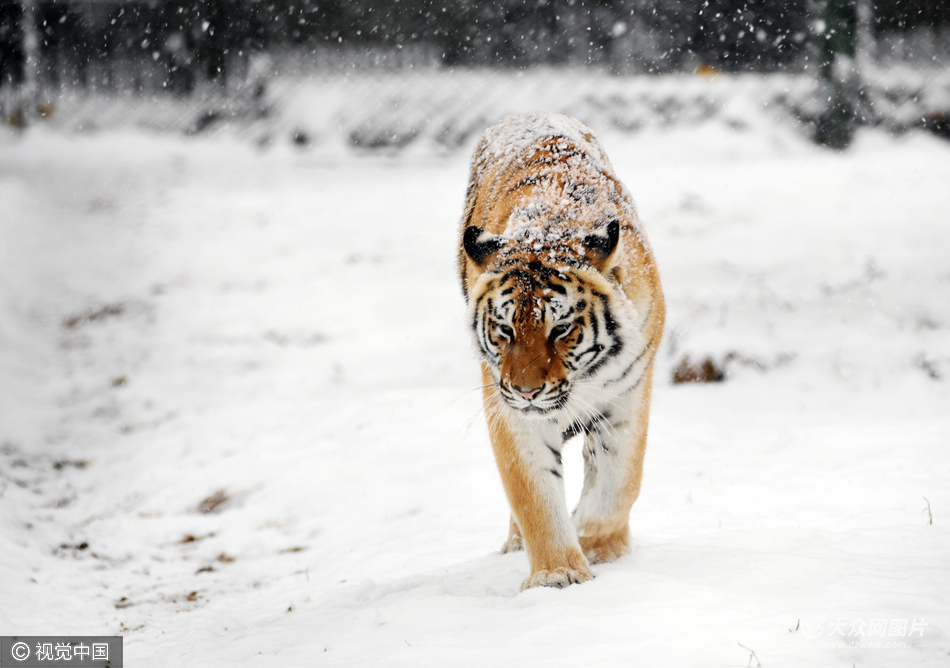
(752, 656)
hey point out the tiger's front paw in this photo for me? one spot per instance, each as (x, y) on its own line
(557, 577)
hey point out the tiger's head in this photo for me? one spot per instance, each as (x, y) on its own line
(541, 315)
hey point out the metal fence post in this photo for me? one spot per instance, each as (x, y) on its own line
(29, 89)
(835, 128)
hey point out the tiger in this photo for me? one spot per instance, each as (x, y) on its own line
(567, 312)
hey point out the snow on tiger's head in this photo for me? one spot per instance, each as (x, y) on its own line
(541, 313)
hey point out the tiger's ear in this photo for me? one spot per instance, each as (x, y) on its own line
(602, 244)
(479, 245)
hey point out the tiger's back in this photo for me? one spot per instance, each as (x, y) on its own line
(548, 175)
(567, 312)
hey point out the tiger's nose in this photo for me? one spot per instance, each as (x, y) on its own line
(525, 393)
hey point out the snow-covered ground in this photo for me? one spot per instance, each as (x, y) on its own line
(241, 425)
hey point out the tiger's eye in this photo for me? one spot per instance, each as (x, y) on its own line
(561, 330)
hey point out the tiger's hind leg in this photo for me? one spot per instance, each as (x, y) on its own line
(515, 542)
(613, 468)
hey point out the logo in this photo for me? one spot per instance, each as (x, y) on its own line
(20, 651)
(61, 651)
(814, 626)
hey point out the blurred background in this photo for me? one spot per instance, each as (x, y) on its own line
(373, 74)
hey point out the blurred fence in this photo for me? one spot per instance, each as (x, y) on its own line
(195, 67)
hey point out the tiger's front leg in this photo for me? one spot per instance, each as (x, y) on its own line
(613, 468)
(528, 460)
